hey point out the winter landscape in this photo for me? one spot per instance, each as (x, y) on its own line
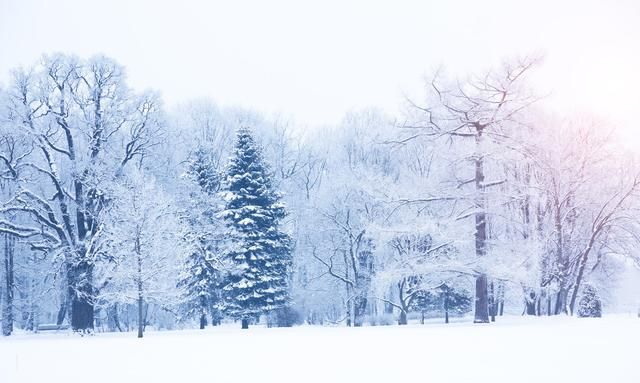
(346, 192)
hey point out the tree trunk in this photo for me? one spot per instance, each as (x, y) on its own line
(81, 291)
(481, 306)
(530, 307)
(62, 311)
(561, 298)
(35, 309)
(349, 302)
(113, 319)
(446, 306)
(500, 298)
(7, 312)
(583, 264)
(81, 314)
(481, 302)
(24, 308)
(403, 308)
(141, 316)
(245, 324)
(203, 312)
(403, 318)
(530, 303)
(359, 310)
(388, 308)
(561, 301)
(492, 305)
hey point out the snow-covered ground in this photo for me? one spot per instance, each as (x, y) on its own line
(514, 350)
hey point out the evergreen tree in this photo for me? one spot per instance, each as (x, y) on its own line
(259, 250)
(445, 299)
(200, 281)
(203, 170)
(590, 305)
(201, 278)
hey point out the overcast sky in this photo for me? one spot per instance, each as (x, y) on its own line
(314, 61)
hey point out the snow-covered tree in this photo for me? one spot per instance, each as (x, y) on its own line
(416, 268)
(201, 278)
(82, 126)
(142, 235)
(578, 222)
(477, 122)
(258, 247)
(590, 305)
(443, 299)
(473, 186)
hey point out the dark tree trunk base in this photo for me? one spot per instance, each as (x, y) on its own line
(9, 285)
(403, 318)
(62, 313)
(245, 324)
(80, 278)
(482, 300)
(81, 315)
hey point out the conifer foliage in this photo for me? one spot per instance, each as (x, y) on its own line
(202, 275)
(259, 249)
(590, 305)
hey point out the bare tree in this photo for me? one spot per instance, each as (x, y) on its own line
(579, 202)
(82, 125)
(350, 261)
(480, 117)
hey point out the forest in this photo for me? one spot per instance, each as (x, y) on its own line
(119, 213)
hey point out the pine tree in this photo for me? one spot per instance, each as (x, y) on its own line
(590, 305)
(202, 276)
(202, 170)
(445, 299)
(259, 249)
(200, 281)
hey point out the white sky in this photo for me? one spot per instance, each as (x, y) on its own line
(314, 61)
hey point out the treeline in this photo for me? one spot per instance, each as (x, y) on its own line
(118, 213)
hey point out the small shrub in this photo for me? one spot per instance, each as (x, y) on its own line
(590, 305)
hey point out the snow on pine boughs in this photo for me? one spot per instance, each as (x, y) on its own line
(590, 305)
(259, 250)
(202, 170)
(199, 280)
(202, 273)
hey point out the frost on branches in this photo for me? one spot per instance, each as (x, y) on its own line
(141, 233)
(71, 126)
(474, 195)
(259, 250)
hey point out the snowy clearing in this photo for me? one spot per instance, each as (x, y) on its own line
(516, 349)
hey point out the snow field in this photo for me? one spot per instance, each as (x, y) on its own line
(514, 350)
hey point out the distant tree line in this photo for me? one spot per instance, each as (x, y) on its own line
(118, 213)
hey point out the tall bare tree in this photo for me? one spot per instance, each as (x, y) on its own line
(479, 118)
(82, 125)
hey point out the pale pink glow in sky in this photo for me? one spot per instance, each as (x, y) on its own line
(315, 61)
